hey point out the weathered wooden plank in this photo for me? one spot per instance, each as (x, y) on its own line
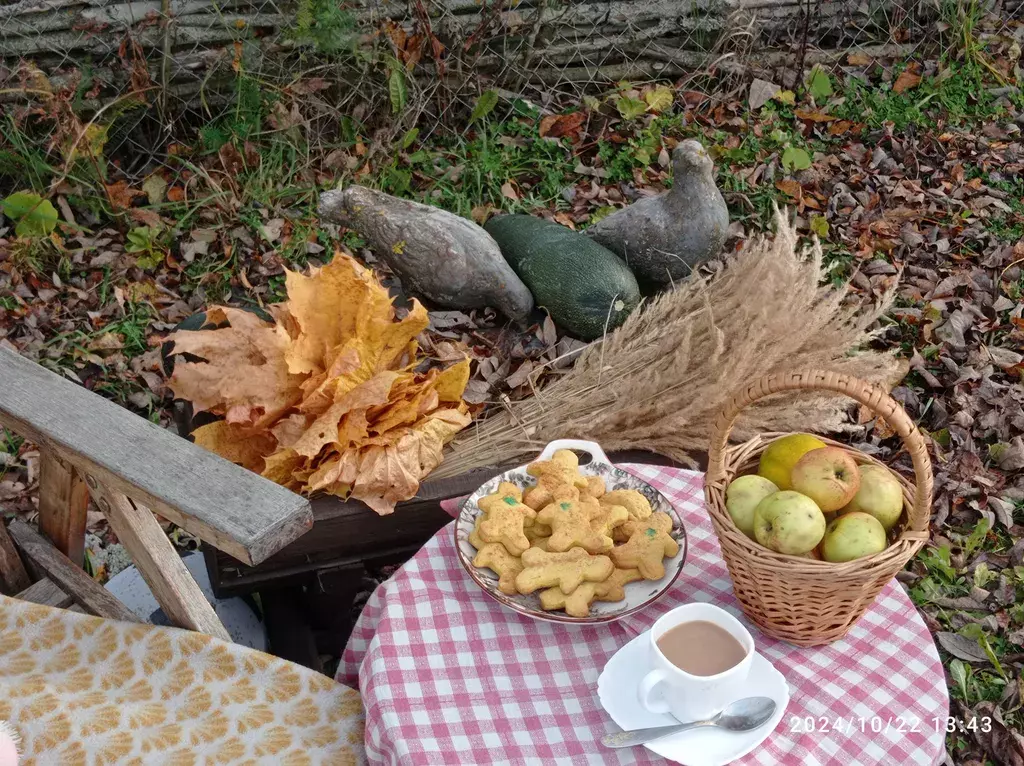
(160, 565)
(47, 593)
(69, 578)
(63, 502)
(13, 577)
(219, 502)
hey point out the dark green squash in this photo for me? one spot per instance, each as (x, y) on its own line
(585, 287)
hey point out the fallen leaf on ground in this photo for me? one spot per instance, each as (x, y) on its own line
(906, 81)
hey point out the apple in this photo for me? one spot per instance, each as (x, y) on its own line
(852, 536)
(813, 553)
(778, 459)
(828, 476)
(788, 522)
(880, 495)
(741, 498)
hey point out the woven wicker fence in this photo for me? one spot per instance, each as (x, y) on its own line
(158, 65)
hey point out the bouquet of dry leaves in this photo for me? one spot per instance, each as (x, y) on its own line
(325, 397)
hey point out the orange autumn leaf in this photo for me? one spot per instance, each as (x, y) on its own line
(244, 376)
(907, 80)
(325, 397)
(236, 443)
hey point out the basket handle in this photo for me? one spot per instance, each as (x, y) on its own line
(872, 397)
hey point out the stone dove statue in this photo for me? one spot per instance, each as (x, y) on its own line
(436, 254)
(663, 238)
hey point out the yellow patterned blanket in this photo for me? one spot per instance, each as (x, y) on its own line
(84, 690)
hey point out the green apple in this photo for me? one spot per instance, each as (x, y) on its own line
(788, 522)
(741, 498)
(828, 476)
(880, 495)
(851, 536)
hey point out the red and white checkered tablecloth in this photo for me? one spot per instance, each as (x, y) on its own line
(448, 676)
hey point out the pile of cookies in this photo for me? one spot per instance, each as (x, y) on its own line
(570, 537)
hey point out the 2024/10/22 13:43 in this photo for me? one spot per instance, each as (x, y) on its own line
(879, 724)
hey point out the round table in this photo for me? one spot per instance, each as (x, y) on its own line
(449, 676)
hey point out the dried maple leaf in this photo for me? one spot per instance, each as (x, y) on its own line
(324, 397)
(244, 376)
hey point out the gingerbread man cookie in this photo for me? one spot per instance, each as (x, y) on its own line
(570, 527)
(560, 471)
(542, 569)
(607, 518)
(497, 559)
(613, 588)
(648, 544)
(504, 520)
(595, 487)
(576, 604)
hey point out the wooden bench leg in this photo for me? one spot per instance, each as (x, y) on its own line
(63, 501)
(13, 577)
(161, 567)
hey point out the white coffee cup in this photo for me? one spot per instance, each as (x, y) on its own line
(669, 689)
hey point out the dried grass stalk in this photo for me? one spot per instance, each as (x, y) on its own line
(657, 382)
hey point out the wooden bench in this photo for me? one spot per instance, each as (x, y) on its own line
(130, 467)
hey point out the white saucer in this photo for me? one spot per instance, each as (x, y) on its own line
(617, 689)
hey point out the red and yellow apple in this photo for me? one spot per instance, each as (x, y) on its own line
(777, 461)
(828, 476)
(880, 495)
(788, 522)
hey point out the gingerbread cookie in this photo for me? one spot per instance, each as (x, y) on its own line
(474, 535)
(613, 588)
(506, 566)
(595, 487)
(536, 531)
(567, 570)
(648, 544)
(504, 521)
(632, 500)
(576, 604)
(570, 527)
(607, 518)
(560, 471)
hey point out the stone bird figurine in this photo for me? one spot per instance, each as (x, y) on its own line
(663, 238)
(436, 254)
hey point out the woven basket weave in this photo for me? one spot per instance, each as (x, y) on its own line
(805, 601)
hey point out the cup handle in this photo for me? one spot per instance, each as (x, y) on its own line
(592, 448)
(647, 685)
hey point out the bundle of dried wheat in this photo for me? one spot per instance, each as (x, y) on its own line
(658, 382)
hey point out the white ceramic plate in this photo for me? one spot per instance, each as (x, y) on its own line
(617, 690)
(638, 594)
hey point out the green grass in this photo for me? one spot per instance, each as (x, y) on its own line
(468, 170)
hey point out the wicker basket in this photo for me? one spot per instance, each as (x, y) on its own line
(805, 601)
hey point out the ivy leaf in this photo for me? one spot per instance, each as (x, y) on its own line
(795, 158)
(819, 226)
(35, 216)
(397, 90)
(484, 105)
(630, 108)
(819, 84)
(659, 99)
(411, 135)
